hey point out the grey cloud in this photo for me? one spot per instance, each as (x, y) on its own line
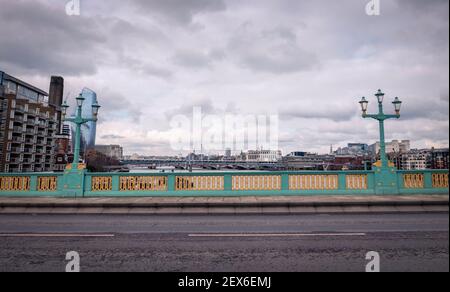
(112, 137)
(69, 46)
(186, 108)
(181, 11)
(421, 6)
(41, 38)
(146, 68)
(150, 69)
(192, 59)
(275, 51)
(435, 109)
(314, 47)
(116, 106)
(445, 96)
(328, 112)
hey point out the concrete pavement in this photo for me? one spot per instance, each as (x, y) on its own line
(228, 205)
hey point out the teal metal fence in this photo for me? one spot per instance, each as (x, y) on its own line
(222, 184)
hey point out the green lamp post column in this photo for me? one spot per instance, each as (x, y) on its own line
(385, 174)
(75, 172)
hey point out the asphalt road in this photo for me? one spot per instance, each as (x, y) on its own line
(405, 242)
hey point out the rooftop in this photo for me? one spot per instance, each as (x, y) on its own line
(4, 76)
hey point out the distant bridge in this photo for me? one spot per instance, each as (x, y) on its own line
(206, 164)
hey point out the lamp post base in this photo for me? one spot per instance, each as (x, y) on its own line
(73, 180)
(386, 181)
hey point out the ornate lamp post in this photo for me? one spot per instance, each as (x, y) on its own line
(78, 120)
(74, 174)
(385, 180)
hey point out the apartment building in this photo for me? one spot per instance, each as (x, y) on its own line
(29, 123)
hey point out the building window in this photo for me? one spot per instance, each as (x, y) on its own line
(10, 87)
(27, 93)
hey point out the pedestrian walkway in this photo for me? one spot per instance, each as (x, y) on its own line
(227, 205)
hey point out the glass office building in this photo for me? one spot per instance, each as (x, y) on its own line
(88, 130)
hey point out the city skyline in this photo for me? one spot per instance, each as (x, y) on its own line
(310, 65)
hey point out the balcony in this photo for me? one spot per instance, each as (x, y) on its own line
(15, 161)
(40, 152)
(17, 139)
(28, 150)
(32, 113)
(52, 125)
(20, 109)
(29, 141)
(18, 129)
(31, 122)
(28, 161)
(16, 150)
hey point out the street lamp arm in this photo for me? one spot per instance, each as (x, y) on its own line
(381, 117)
(70, 120)
(89, 120)
(375, 117)
(392, 117)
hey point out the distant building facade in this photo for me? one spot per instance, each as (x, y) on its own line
(354, 149)
(395, 146)
(264, 156)
(113, 151)
(439, 158)
(30, 121)
(420, 159)
(415, 160)
(300, 160)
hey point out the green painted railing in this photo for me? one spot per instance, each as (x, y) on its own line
(223, 184)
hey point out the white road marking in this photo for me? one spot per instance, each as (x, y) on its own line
(278, 235)
(54, 235)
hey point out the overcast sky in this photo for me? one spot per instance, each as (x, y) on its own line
(310, 61)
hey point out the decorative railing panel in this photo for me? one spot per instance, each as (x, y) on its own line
(143, 183)
(313, 182)
(47, 184)
(440, 180)
(14, 183)
(256, 183)
(413, 181)
(357, 182)
(199, 183)
(101, 183)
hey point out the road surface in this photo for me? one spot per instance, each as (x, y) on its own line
(405, 242)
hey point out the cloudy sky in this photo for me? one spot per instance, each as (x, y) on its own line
(309, 61)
